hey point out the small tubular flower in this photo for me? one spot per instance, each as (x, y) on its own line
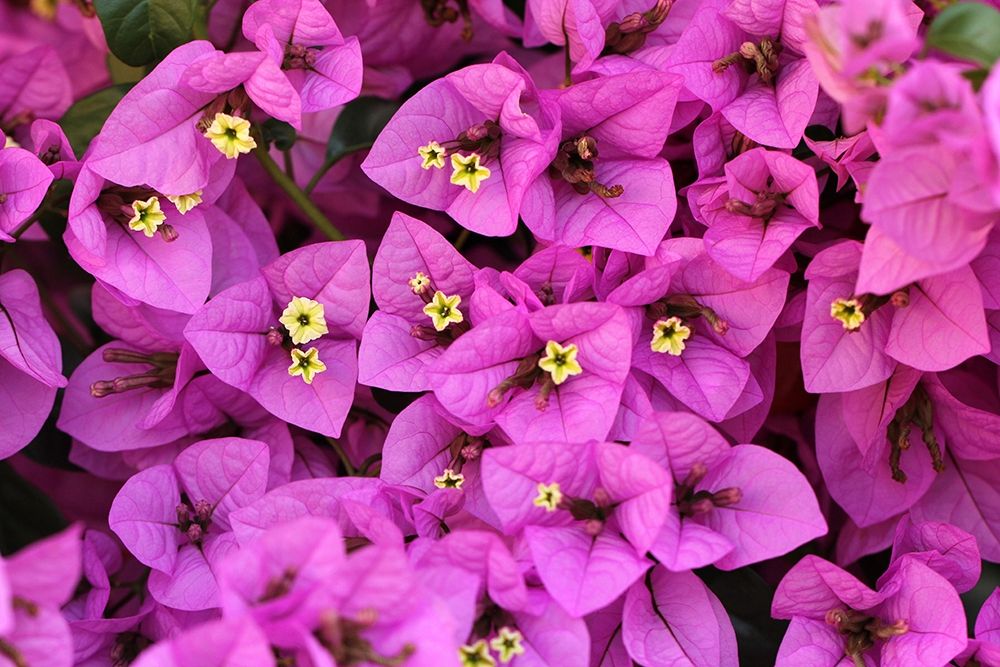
(468, 172)
(306, 364)
(231, 135)
(304, 319)
(560, 362)
(148, 216)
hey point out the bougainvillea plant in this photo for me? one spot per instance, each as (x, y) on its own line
(500, 333)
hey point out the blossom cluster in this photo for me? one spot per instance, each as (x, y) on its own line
(482, 333)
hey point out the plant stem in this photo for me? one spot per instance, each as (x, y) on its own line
(462, 239)
(342, 455)
(300, 198)
(320, 173)
(568, 66)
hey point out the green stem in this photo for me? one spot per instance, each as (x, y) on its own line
(320, 173)
(568, 66)
(289, 167)
(300, 198)
(342, 455)
(462, 239)
(26, 224)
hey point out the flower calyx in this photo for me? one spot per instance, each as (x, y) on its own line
(342, 637)
(691, 503)
(918, 411)
(574, 163)
(163, 369)
(629, 34)
(194, 519)
(862, 631)
(760, 57)
(686, 308)
(439, 12)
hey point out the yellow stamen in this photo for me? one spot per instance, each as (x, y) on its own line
(669, 335)
(476, 655)
(231, 135)
(419, 283)
(848, 312)
(560, 362)
(507, 644)
(185, 203)
(549, 496)
(467, 171)
(9, 142)
(304, 319)
(433, 155)
(306, 364)
(449, 480)
(443, 310)
(148, 216)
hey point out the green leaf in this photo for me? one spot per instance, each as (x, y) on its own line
(84, 120)
(141, 32)
(26, 514)
(279, 133)
(358, 125)
(967, 30)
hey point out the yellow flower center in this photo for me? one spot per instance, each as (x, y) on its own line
(148, 216)
(433, 155)
(306, 364)
(849, 312)
(443, 310)
(449, 480)
(185, 203)
(669, 335)
(304, 319)
(467, 171)
(507, 644)
(9, 142)
(231, 135)
(549, 496)
(560, 362)
(419, 283)
(476, 655)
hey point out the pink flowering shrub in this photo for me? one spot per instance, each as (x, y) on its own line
(499, 333)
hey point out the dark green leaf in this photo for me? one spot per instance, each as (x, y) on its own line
(26, 514)
(279, 133)
(747, 599)
(976, 76)
(967, 30)
(358, 125)
(84, 120)
(141, 32)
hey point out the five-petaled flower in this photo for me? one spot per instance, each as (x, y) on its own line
(449, 479)
(560, 362)
(549, 496)
(669, 335)
(231, 135)
(433, 155)
(848, 312)
(304, 319)
(443, 310)
(467, 171)
(185, 203)
(148, 216)
(476, 655)
(306, 364)
(507, 644)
